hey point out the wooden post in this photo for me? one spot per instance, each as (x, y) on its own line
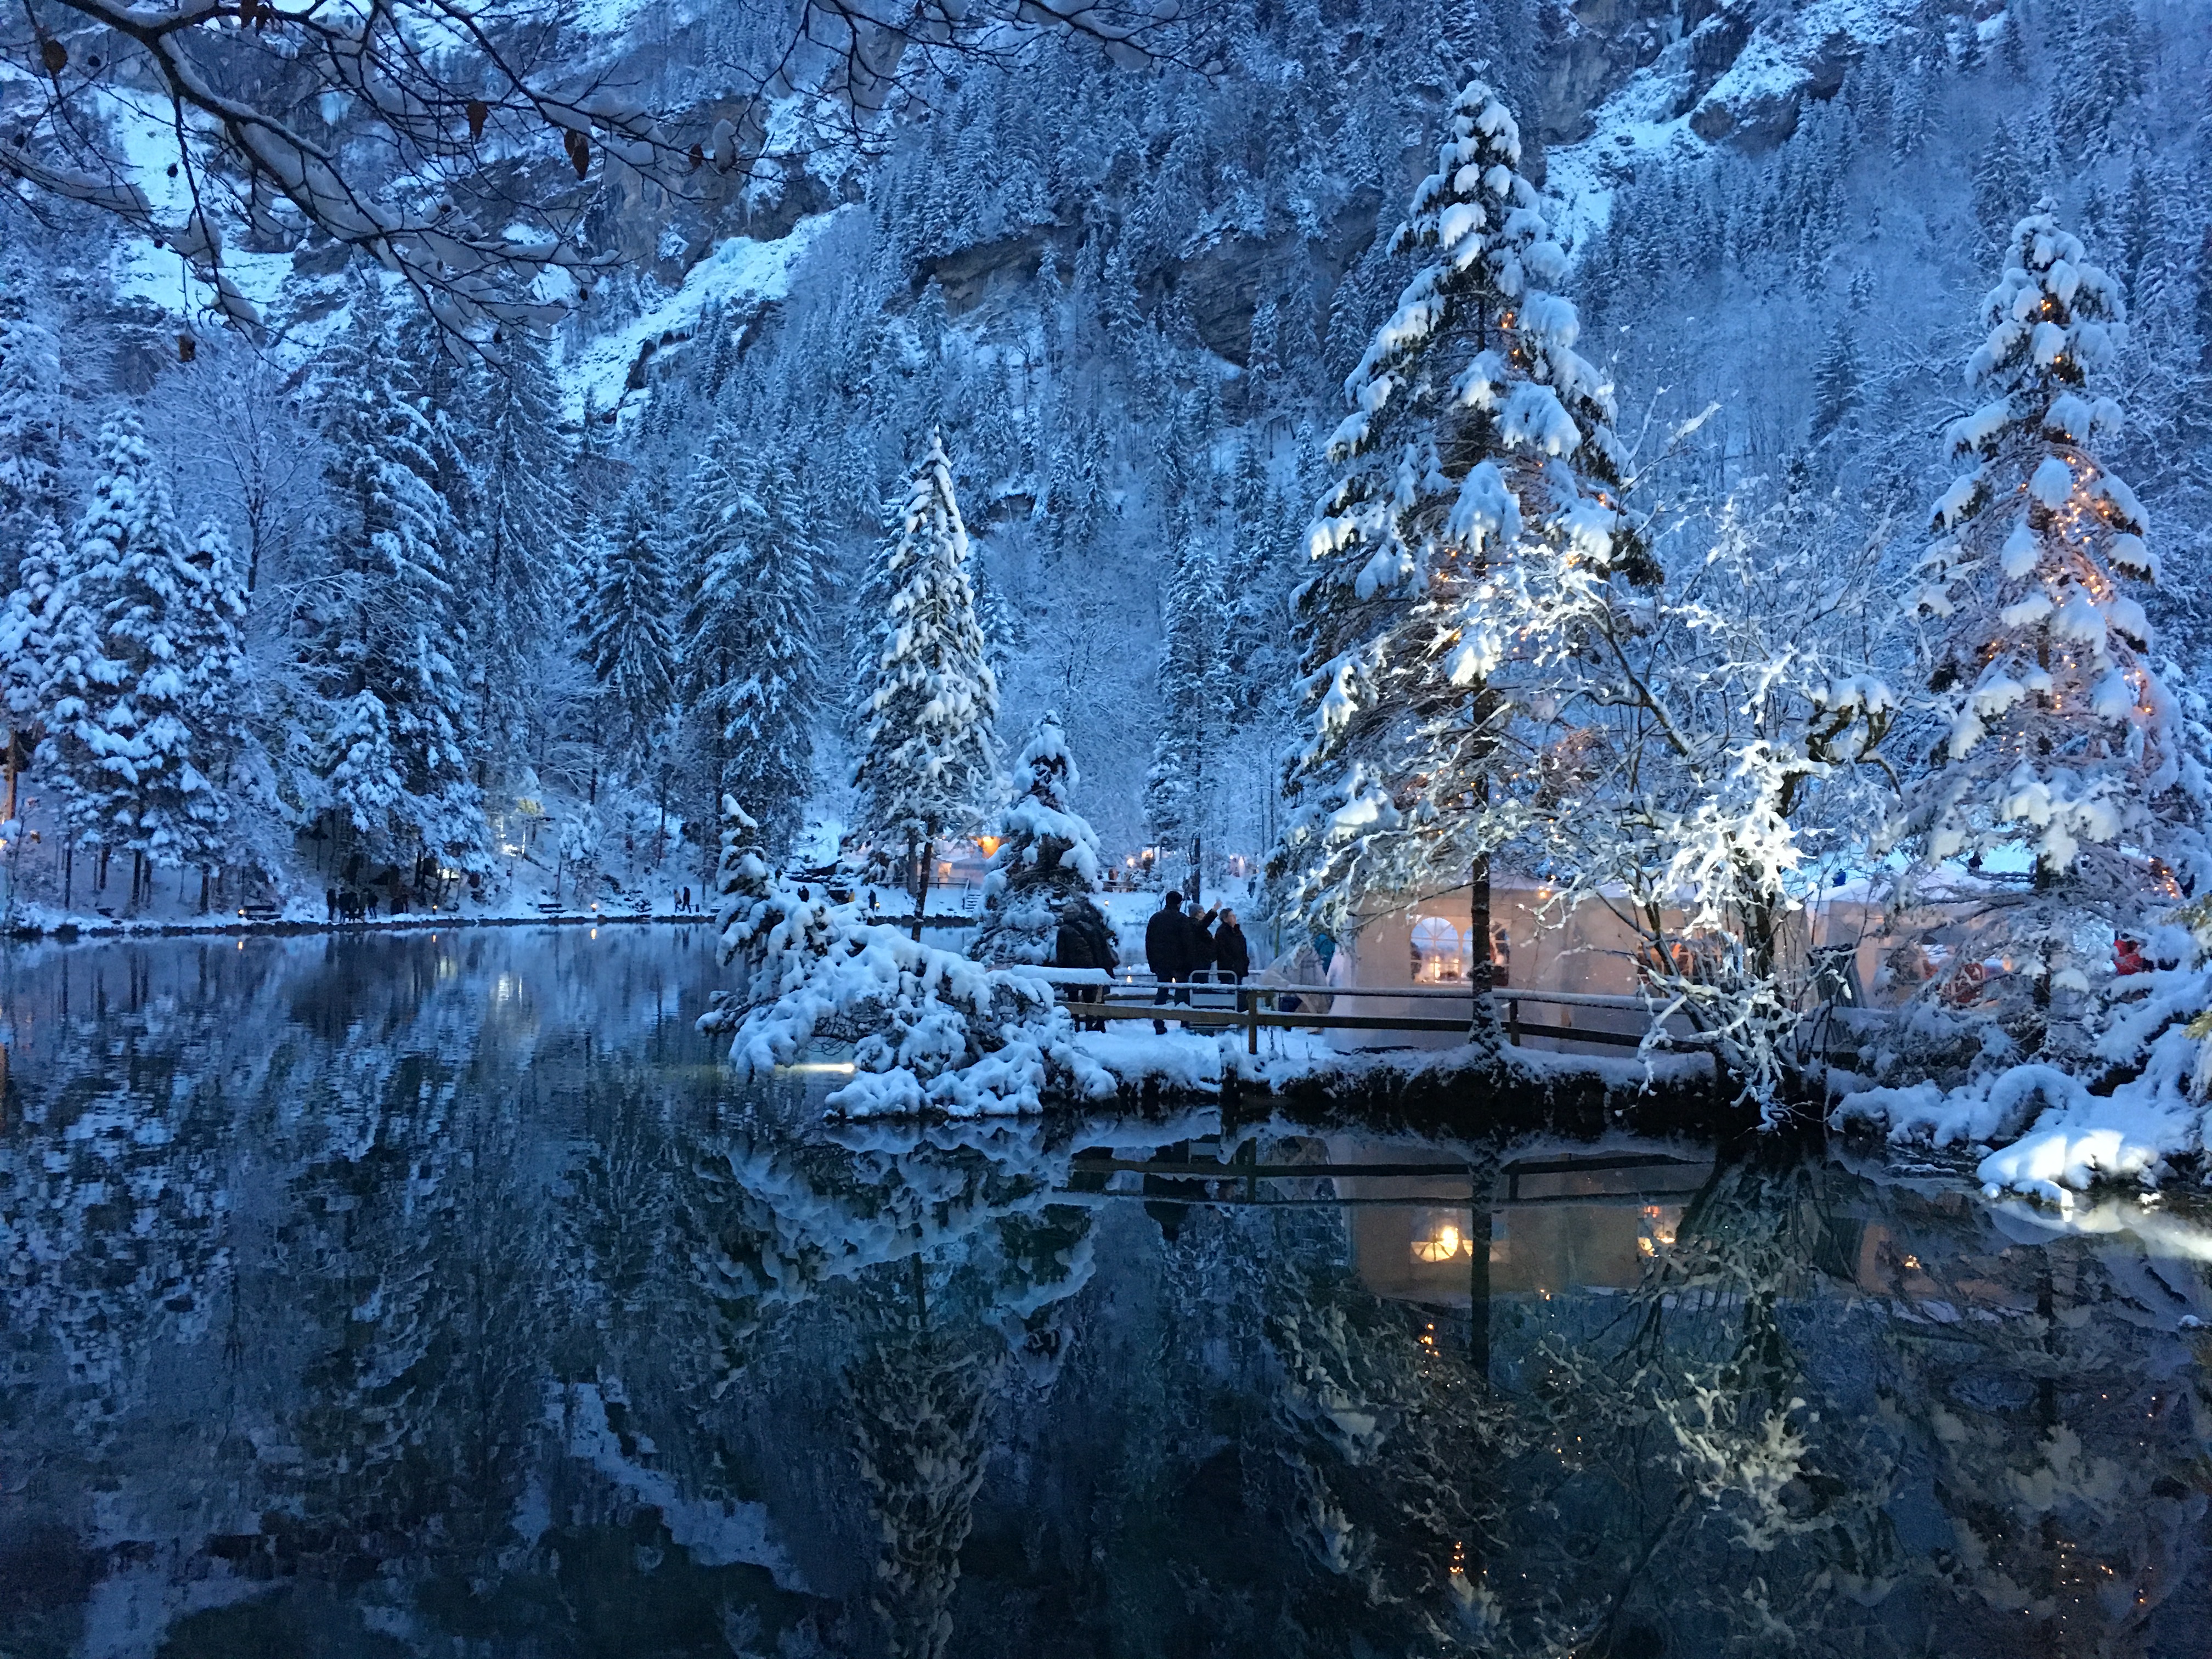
(1251, 1020)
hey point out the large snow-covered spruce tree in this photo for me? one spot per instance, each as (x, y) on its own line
(1473, 423)
(2060, 745)
(1196, 701)
(750, 647)
(126, 653)
(30, 510)
(30, 430)
(27, 645)
(629, 643)
(1047, 854)
(213, 646)
(524, 552)
(929, 708)
(388, 723)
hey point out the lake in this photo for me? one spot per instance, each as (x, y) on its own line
(418, 1294)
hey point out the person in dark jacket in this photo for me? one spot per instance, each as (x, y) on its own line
(1084, 941)
(1232, 956)
(1167, 953)
(1201, 939)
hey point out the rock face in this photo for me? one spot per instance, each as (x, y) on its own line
(1755, 104)
(1223, 284)
(967, 276)
(1739, 70)
(1597, 46)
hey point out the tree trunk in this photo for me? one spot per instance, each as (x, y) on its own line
(1480, 977)
(69, 873)
(921, 862)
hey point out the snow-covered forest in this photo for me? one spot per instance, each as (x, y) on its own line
(1775, 457)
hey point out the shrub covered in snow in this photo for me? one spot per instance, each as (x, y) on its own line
(930, 1030)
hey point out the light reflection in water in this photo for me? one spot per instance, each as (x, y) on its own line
(342, 1318)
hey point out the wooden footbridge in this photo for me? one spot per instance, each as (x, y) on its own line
(1092, 994)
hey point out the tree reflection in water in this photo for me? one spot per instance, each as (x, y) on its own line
(395, 1297)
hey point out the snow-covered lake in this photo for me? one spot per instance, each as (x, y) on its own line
(420, 1294)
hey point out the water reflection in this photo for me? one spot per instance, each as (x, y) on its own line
(396, 1297)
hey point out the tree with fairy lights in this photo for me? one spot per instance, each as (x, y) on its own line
(2057, 740)
(1474, 425)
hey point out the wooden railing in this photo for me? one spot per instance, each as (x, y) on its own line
(1254, 1007)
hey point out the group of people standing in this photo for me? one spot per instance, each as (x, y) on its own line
(1179, 945)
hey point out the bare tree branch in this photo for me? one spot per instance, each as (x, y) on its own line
(447, 140)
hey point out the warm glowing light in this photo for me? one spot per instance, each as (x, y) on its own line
(1442, 1245)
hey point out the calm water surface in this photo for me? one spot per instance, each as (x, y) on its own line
(415, 1295)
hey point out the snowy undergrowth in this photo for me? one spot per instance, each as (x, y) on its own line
(931, 1030)
(2058, 1138)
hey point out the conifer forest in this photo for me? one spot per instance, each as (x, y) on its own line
(1168, 827)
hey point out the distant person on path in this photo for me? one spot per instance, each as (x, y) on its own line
(1231, 954)
(331, 903)
(1167, 953)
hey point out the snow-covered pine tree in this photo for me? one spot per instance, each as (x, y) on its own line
(1473, 422)
(1836, 380)
(929, 705)
(30, 510)
(121, 701)
(2099, 70)
(1253, 581)
(27, 645)
(2061, 744)
(525, 547)
(627, 639)
(30, 432)
(748, 642)
(387, 716)
(1047, 855)
(2000, 185)
(1908, 110)
(211, 645)
(1196, 700)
